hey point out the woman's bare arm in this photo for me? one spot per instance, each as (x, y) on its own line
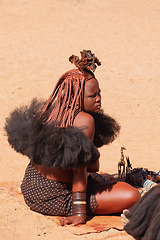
(79, 186)
(86, 122)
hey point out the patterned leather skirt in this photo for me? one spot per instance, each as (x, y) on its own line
(50, 197)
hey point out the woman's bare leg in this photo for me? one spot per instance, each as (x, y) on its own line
(115, 198)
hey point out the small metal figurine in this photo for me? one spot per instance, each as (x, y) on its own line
(121, 164)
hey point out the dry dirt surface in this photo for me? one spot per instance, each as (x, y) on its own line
(36, 39)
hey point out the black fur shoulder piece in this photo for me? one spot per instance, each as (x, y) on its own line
(46, 143)
(18, 126)
(106, 129)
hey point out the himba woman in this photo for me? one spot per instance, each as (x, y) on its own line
(61, 141)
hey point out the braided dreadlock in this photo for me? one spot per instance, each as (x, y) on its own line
(68, 93)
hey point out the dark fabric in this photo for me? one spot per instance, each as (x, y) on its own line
(144, 216)
(50, 197)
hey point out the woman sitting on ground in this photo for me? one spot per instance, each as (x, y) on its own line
(62, 142)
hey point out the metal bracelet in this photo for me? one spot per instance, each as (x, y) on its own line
(79, 203)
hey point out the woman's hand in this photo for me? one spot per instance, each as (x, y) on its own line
(73, 220)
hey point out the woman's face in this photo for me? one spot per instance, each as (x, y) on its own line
(92, 96)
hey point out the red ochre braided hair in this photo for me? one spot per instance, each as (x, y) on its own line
(67, 96)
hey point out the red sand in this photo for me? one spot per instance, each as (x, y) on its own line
(37, 37)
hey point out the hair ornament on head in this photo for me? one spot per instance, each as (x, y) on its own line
(88, 61)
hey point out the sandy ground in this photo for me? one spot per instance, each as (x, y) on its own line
(36, 39)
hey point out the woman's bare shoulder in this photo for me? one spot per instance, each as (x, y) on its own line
(82, 119)
(85, 122)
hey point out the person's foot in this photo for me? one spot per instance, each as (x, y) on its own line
(124, 219)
